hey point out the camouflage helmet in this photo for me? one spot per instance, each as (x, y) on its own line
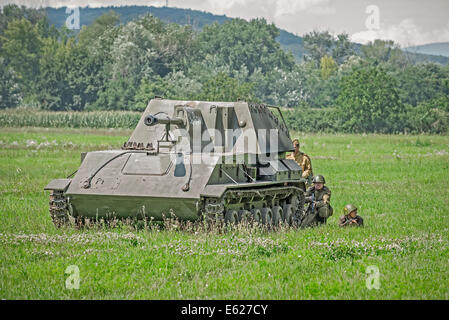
(349, 208)
(319, 179)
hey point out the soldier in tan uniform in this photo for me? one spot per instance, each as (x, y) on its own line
(303, 160)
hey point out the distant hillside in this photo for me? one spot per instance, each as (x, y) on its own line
(437, 49)
(416, 57)
(198, 19)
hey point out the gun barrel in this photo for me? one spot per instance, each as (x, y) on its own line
(151, 120)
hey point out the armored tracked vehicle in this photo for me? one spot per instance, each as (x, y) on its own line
(194, 159)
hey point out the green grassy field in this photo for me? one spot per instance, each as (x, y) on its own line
(400, 184)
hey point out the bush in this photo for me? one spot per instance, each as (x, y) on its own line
(369, 102)
(428, 117)
(305, 119)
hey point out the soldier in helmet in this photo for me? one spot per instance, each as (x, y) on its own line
(350, 217)
(303, 160)
(318, 196)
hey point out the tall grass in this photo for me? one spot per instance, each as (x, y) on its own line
(96, 119)
(398, 182)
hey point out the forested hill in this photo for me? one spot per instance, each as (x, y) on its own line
(113, 63)
(175, 15)
(198, 19)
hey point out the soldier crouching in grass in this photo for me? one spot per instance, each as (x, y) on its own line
(318, 196)
(350, 217)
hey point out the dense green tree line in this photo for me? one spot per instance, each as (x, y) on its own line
(113, 66)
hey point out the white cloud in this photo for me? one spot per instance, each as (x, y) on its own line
(274, 8)
(406, 34)
(222, 6)
(322, 11)
(286, 7)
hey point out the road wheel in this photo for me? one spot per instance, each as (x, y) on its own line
(256, 215)
(231, 217)
(277, 215)
(267, 216)
(244, 216)
(288, 214)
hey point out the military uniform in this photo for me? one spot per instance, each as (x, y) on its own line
(319, 206)
(304, 161)
(346, 221)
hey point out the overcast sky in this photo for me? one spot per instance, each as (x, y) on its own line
(408, 22)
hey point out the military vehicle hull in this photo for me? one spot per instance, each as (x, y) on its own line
(122, 207)
(174, 164)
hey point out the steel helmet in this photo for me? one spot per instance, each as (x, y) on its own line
(319, 179)
(349, 208)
